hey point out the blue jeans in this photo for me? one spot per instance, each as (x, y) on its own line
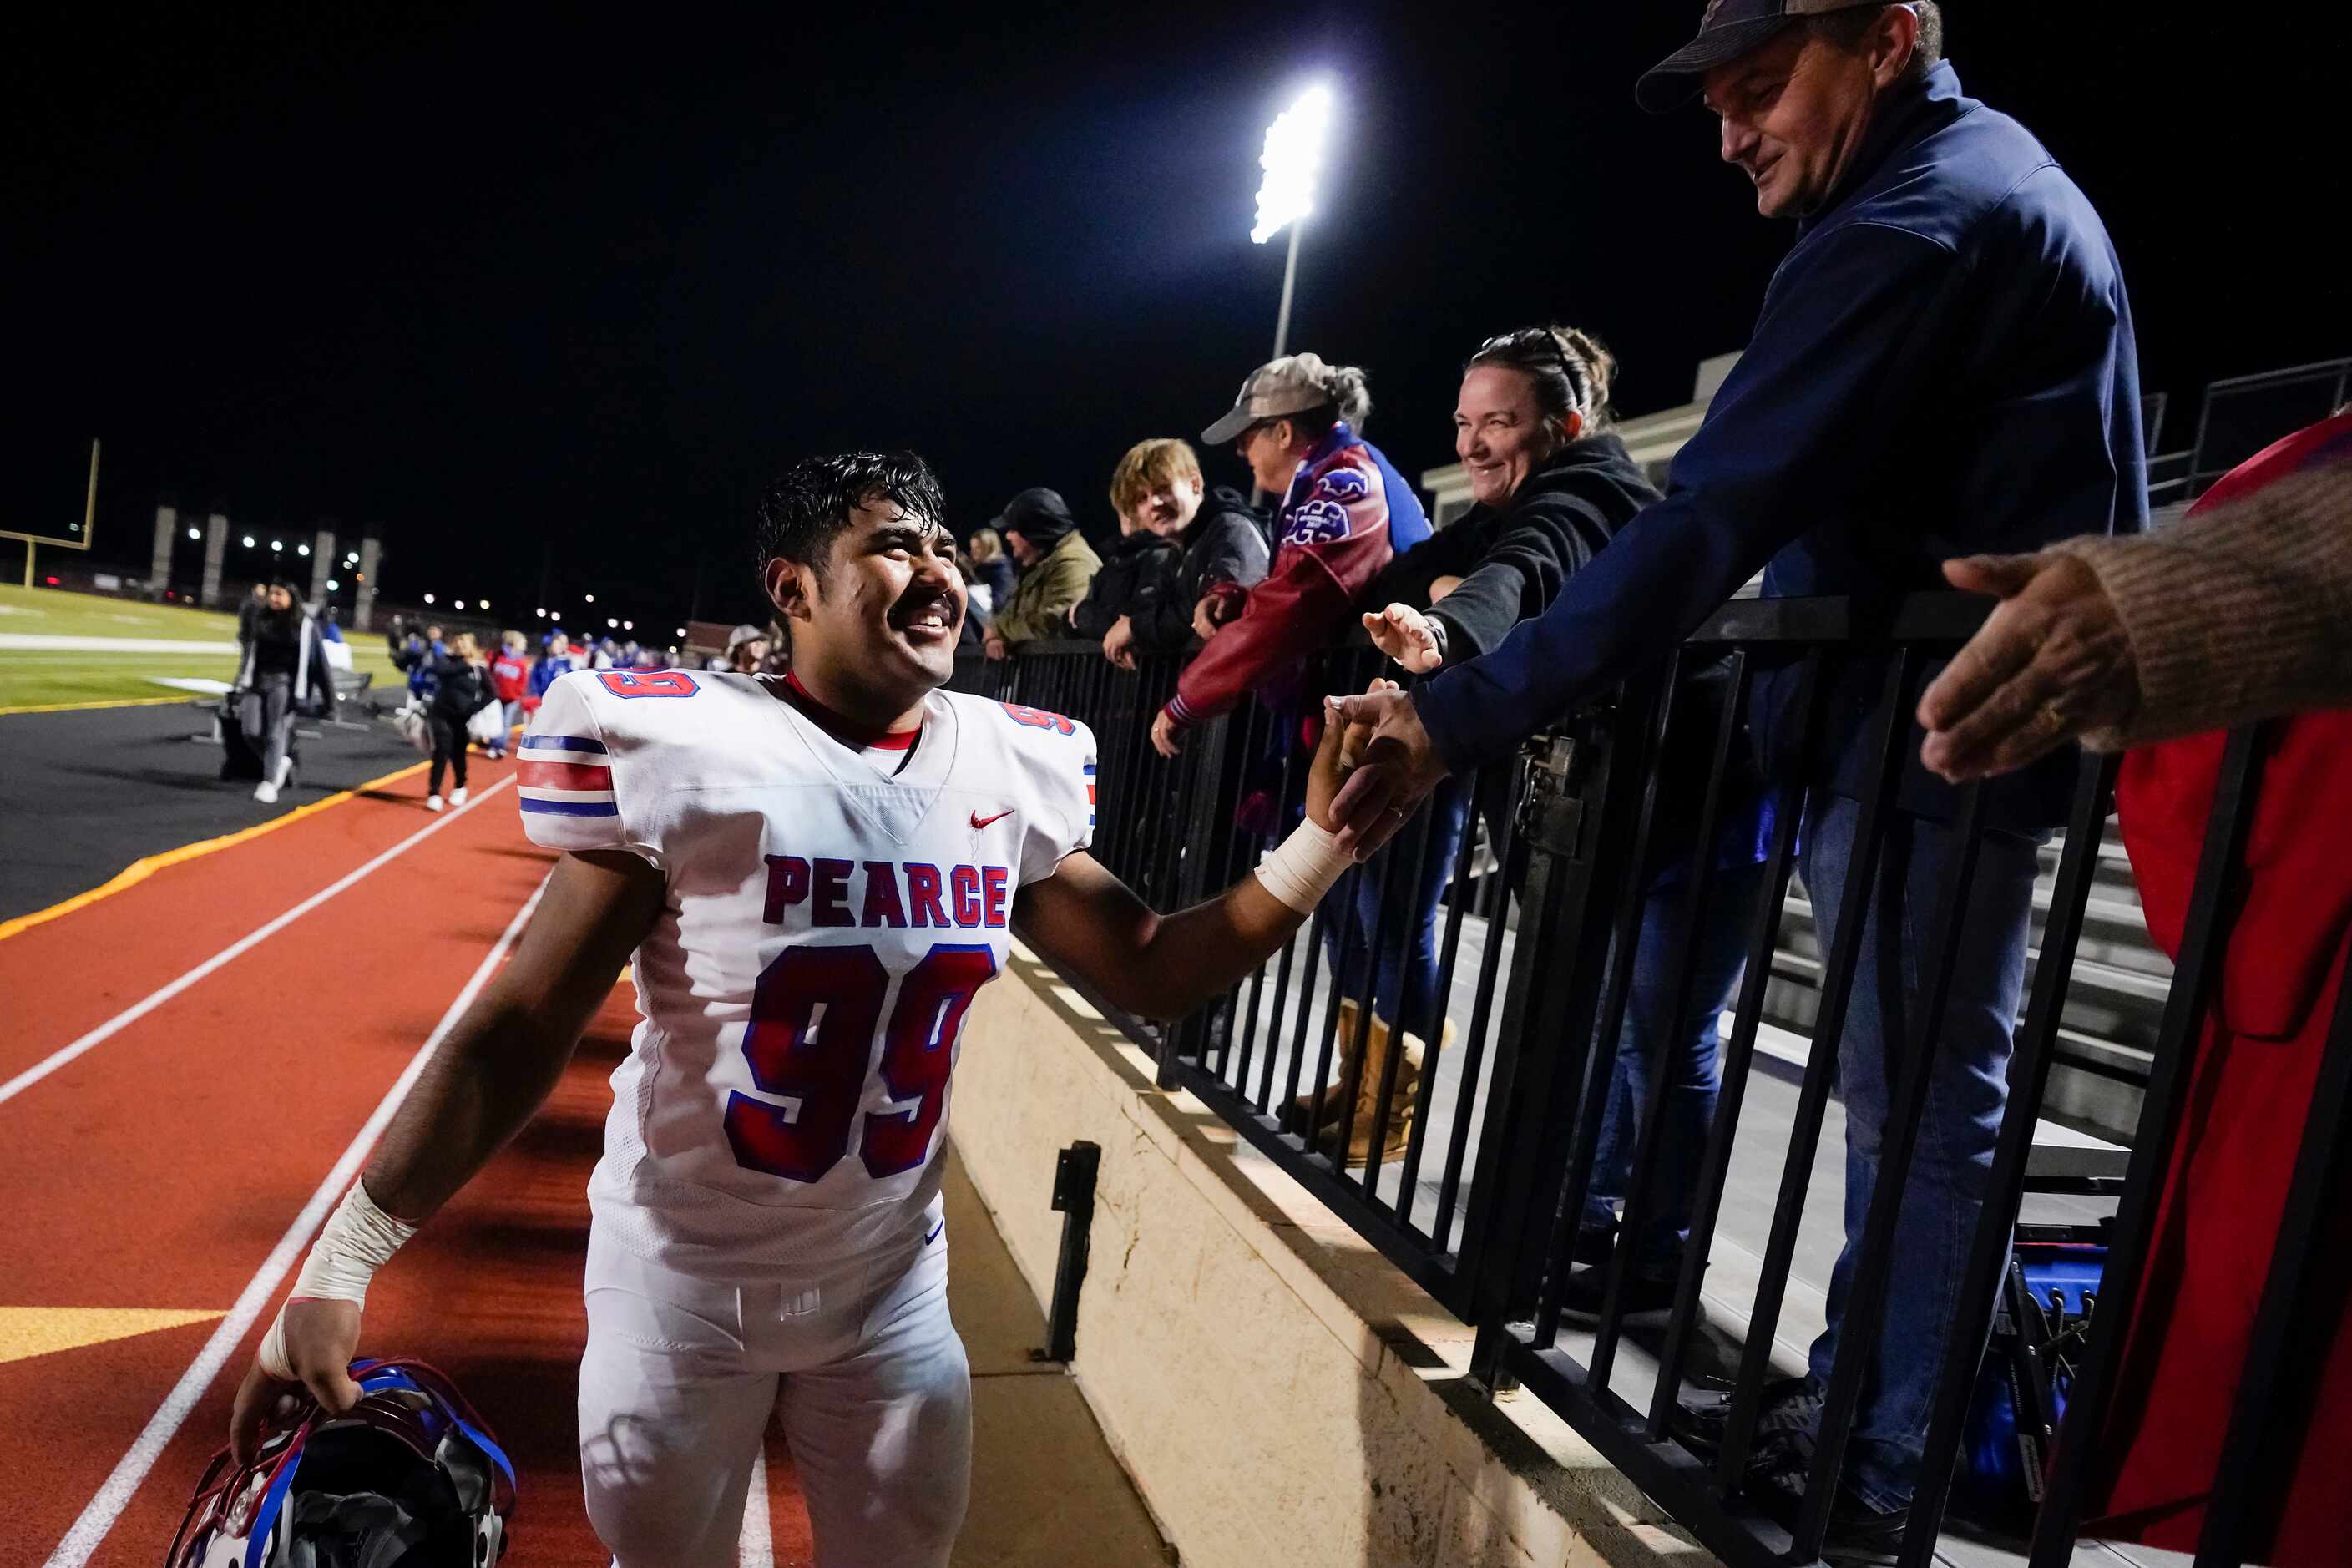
(1968, 1087)
(1688, 1034)
(1404, 977)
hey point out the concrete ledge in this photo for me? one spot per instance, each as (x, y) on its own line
(1278, 1391)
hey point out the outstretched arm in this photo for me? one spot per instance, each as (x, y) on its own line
(1084, 920)
(488, 1078)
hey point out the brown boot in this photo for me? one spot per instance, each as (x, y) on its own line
(1294, 1115)
(1403, 1104)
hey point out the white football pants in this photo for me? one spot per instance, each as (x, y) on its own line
(864, 1368)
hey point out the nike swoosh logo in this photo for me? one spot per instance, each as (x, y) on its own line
(979, 821)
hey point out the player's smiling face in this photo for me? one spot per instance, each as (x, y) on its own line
(885, 614)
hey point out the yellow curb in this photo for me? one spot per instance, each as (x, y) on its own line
(189, 697)
(140, 870)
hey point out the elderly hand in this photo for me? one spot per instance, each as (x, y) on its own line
(1119, 643)
(2050, 662)
(1403, 634)
(1163, 735)
(1400, 764)
(993, 646)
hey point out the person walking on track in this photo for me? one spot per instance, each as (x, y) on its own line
(285, 670)
(461, 689)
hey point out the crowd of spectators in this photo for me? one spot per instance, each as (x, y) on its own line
(1942, 388)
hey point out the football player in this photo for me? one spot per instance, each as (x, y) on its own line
(814, 875)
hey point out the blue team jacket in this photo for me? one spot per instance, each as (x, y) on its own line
(1944, 365)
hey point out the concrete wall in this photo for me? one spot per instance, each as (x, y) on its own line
(1279, 1392)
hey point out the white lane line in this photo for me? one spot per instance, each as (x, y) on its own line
(124, 1019)
(112, 1497)
(758, 1548)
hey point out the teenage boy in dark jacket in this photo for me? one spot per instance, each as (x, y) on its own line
(1222, 550)
(1225, 555)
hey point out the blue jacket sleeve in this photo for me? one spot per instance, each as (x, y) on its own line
(1852, 327)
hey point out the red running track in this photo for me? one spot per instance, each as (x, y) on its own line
(161, 1168)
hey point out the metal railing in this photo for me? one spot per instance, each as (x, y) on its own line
(1474, 1154)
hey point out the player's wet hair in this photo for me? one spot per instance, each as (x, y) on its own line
(805, 511)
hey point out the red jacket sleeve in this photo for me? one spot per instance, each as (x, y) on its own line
(1334, 540)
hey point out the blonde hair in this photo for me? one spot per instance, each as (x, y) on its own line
(465, 646)
(1162, 460)
(515, 642)
(987, 544)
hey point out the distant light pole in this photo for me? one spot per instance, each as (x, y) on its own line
(1292, 160)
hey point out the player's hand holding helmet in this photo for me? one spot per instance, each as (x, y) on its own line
(319, 1339)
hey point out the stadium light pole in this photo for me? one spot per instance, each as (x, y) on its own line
(1292, 160)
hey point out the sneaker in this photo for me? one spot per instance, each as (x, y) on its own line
(284, 771)
(458, 796)
(1580, 1297)
(266, 792)
(1858, 1535)
(432, 802)
(1791, 1405)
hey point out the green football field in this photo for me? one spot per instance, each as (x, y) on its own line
(40, 676)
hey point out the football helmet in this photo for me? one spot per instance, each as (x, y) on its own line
(408, 1478)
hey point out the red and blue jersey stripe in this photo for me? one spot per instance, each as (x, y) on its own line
(566, 775)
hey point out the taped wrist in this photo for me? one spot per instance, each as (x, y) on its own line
(1302, 867)
(357, 1239)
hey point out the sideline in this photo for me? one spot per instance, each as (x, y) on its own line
(138, 1010)
(141, 870)
(115, 1493)
(188, 697)
(756, 1548)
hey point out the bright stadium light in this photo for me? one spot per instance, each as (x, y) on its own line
(457, 604)
(540, 612)
(428, 598)
(277, 544)
(486, 604)
(590, 597)
(629, 626)
(248, 542)
(681, 631)
(301, 550)
(1292, 160)
(332, 585)
(611, 624)
(195, 533)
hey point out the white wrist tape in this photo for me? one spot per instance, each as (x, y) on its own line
(357, 1239)
(1304, 867)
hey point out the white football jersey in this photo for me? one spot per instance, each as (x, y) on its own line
(834, 902)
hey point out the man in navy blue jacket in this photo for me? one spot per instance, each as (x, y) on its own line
(1944, 365)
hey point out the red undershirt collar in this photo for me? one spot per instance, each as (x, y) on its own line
(842, 728)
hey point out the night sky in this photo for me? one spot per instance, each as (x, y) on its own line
(487, 284)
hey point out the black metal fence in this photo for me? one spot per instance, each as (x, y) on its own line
(1528, 901)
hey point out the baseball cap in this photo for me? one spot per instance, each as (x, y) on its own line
(1037, 514)
(1728, 30)
(744, 634)
(1292, 384)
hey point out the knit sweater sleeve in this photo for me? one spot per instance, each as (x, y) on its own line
(2235, 615)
